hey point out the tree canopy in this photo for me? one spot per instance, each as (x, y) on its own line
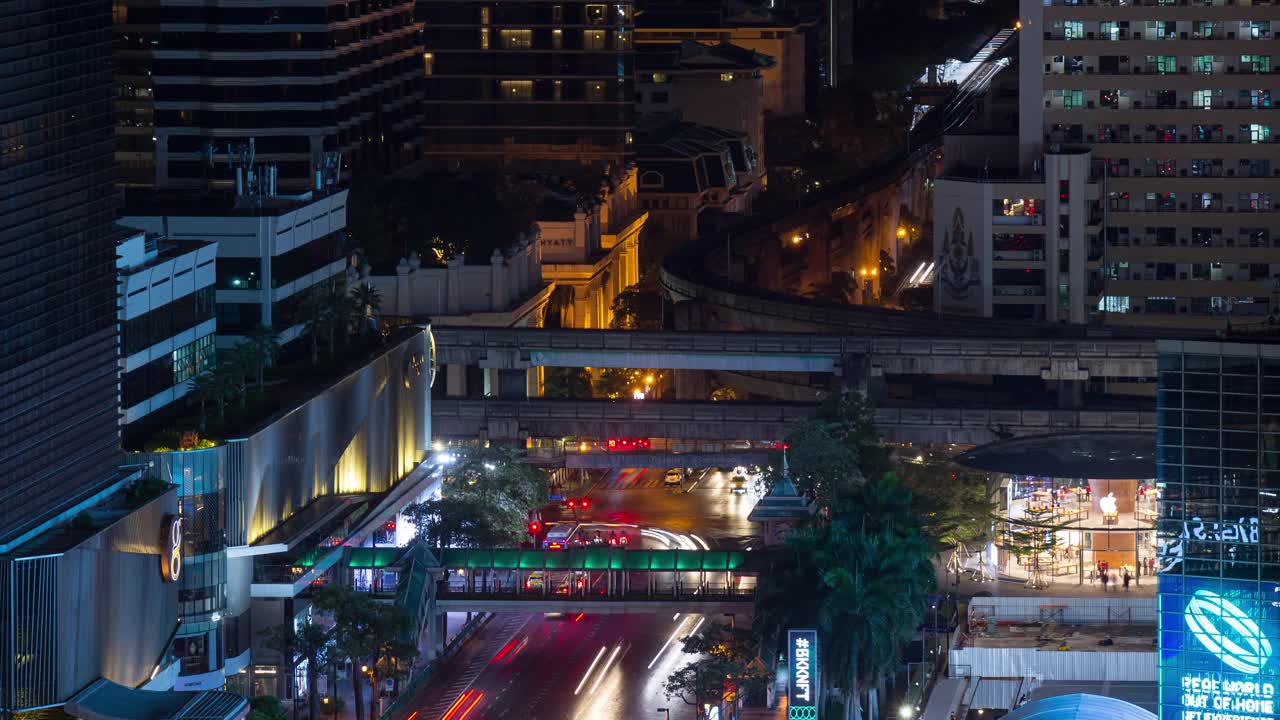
(485, 499)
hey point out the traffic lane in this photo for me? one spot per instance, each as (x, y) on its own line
(708, 508)
(586, 666)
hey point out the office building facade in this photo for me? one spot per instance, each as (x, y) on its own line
(1219, 475)
(58, 395)
(1173, 103)
(519, 83)
(315, 84)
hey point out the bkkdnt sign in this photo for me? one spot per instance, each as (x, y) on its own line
(802, 689)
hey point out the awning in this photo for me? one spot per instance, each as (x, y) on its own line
(1098, 456)
(106, 700)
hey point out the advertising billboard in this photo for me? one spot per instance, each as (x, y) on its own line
(1218, 643)
(802, 686)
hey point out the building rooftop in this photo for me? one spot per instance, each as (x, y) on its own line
(1101, 456)
(159, 249)
(221, 203)
(65, 536)
(690, 56)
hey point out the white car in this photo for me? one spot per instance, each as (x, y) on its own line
(738, 484)
(673, 477)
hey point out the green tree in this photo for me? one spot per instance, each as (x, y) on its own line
(266, 707)
(351, 611)
(1032, 539)
(390, 631)
(308, 642)
(637, 308)
(840, 289)
(486, 496)
(818, 461)
(566, 383)
(369, 303)
(264, 346)
(203, 389)
(561, 298)
(316, 318)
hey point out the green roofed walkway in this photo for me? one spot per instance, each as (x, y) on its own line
(597, 580)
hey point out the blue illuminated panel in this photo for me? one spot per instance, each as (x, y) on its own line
(1218, 645)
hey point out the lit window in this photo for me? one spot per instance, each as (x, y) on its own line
(557, 90)
(1202, 99)
(621, 40)
(516, 39)
(557, 13)
(624, 12)
(428, 63)
(484, 38)
(659, 78)
(726, 77)
(595, 14)
(557, 39)
(484, 15)
(630, 138)
(516, 89)
(595, 90)
(592, 39)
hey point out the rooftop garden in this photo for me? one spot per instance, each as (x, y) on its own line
(439, 216)
(261, 378)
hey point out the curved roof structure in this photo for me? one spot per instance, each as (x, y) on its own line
(106, 700)
(1101, 456)
(1079, 707)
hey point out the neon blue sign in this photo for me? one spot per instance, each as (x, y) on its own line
(1203, 612)
(1217, 652)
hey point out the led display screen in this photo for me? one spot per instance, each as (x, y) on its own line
(1218, 644)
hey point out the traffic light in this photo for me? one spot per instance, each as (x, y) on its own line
(585, 503)
(535, 528)
(572, 504)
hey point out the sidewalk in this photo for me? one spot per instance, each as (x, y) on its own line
(347, 695)
(1060, 586)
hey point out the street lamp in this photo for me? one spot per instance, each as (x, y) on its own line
(904, 712)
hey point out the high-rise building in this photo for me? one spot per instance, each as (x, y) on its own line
(1219, 530)
(308, 81)
(1144, 184)
(58, 385)
(524, 83)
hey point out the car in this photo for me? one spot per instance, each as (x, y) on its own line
(740, 470)
(738, 484)
(674, 476)
(535, 581)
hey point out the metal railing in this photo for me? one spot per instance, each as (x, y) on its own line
(421, 678)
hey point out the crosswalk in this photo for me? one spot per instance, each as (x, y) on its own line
(632, 479)
(444, 694)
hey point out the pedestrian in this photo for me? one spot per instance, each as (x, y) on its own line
(1125, 577)
(1104, 581)
(1093, 575)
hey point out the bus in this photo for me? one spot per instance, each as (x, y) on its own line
(559, 536)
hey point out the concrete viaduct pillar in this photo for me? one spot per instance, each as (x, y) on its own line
(1069, 380)
(857, 374)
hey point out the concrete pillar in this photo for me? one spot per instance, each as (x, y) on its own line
(402, 300)
(437, 631)
(692, 385)
(492, 382)
(453, 285)
(455, 378)
(513, 383)
(1071, 394)
(497, 281)
(687, 315)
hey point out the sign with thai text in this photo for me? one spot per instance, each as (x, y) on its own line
(802, 687)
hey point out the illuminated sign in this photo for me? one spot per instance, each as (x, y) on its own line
(1203, 612)
(802, 687)
(1217, 655)
(171, 548)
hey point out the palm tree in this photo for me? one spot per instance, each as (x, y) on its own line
(340, 308)
(240, 363)
(224, 386)
(308, 641)
(369, 302)
(202, 389)
(264, 346)
(315, 315)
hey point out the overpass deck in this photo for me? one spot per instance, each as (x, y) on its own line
(519, 419)
(520, 348)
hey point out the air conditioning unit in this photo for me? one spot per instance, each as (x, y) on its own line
(1182, 70)
(1182, 173)
(1088, 70)
(1137, 35)
(1231, 138)
(1182, 206)
(1136, 172)
(1182, 241)
(1088, 138)
(1182, 104)
(1137, 69)
(1231, 173)
(1137, 103)
(1089, 35)
(1046, 103)
(1183, 35)
(1231, 103)
(1182, 138)
(1231, 69)
(1046, 36)
(1089, 104)
(1231, 36)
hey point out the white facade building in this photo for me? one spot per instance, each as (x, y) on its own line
(166, 320)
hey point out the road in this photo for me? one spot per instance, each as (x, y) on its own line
(530, 667)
